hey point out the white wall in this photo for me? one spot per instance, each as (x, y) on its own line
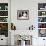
(32, 6)
(24, 5)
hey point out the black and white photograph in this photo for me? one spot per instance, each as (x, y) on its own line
(22, 14)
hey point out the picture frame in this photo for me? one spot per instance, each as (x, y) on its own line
(22, 14)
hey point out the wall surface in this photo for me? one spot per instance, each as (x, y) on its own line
(32, 6)
(24, 5)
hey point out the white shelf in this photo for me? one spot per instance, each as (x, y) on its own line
(3, 22)
(42, 16)
(41, 22)
(3, 10)
(3, 16)
(41, 10)
(41, 28)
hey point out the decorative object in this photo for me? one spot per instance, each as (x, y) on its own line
(3, 13)
(23, 40)
(24, 37)
(13, 27)
(31, 27)
(44, 41)
(41, 25)
(22, 14)
(0, 7)
(41, 6)
(4, 29)
(41, 19)
(42, 32)
(3, 19)
(22, 43)
(3, 6)
(43, 13)
(6, 7)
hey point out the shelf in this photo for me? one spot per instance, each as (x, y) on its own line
(41, 28)
(3, 10)
(3, 22)
(3, 16)
(41, 10)
(42, 19)
(42, 16)
(41, 22)
(4, 19)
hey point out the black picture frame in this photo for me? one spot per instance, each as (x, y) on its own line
(22, 14)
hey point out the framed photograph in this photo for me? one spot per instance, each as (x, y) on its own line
(22, 14)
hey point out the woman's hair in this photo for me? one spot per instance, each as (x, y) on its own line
(22, 13)
(26, 12)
